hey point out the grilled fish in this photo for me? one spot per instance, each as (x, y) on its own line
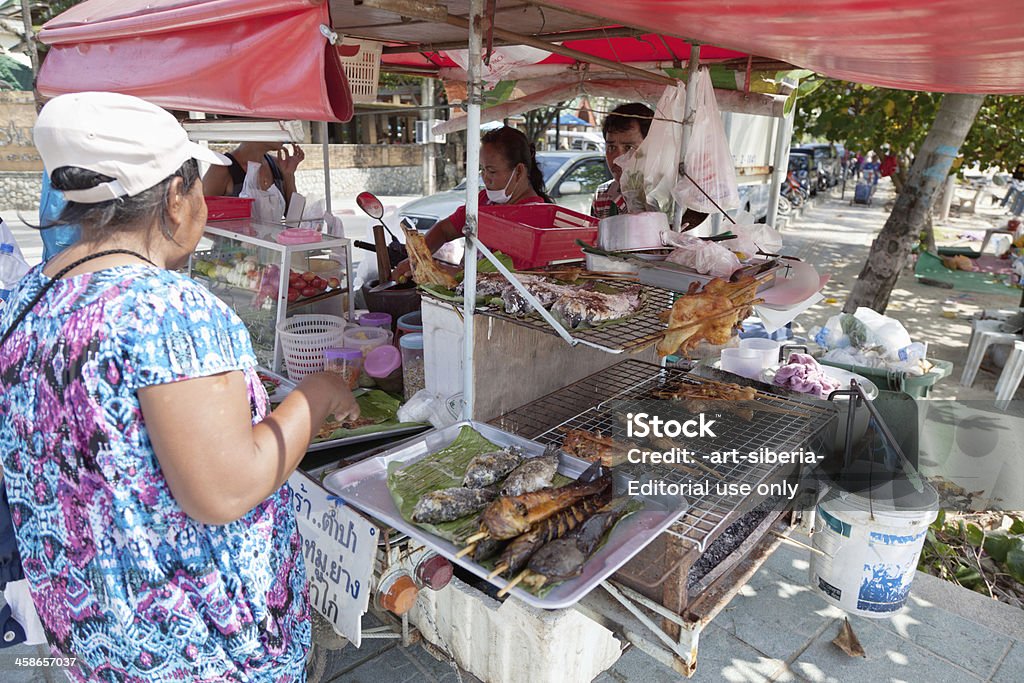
(487, 285)
(546, 292)
(532, 474)
(579, 306)
(511, 516)
(488, 468)
(518, 552)
(448, 504)
(563, 558)
(487, 548)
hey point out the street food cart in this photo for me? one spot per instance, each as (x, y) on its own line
(666, 586)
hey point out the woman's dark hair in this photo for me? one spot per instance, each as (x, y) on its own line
(624, 116)
(517, 150)
(102, 219)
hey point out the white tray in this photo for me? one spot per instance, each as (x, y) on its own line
(364, 486)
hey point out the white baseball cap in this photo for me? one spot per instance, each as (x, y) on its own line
(136, 143)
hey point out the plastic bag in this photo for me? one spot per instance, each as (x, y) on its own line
(649, 173)
(707, 258)
(504, 59)
(754, 237)
(424, 406)
(268, 206)
(708, 159)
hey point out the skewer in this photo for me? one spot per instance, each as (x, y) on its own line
(707, 469)
(793, 541)
(478, 537)
(465, 551)
(513, 583)
(497, 570)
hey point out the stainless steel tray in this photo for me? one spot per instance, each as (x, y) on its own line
(286, 385)
(364, 486)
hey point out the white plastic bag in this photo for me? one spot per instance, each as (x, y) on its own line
(708, 159)
(654, 166)
(751, 237)
(424, 406)
(504, 59)
(268, 206)
(707, 258)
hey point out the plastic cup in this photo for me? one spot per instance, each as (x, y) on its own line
(768, 348)
(742, 362)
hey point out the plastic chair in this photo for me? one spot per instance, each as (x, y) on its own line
(1009, 380)
(984, 333)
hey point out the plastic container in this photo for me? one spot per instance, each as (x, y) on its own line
(889, 380)
(742, 362)
(381, 320)
(226, 208)
(366, 338)
(768, 348)
(384, 365)
(534, 235)
(871, 543)
(304, 338)
(345, 362)
(410, 323)
(412, 363)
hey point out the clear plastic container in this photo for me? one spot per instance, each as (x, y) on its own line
(410, 323)
(384, 365)
(345, 362)
(412, 363)
(381, 320)
(366, 338)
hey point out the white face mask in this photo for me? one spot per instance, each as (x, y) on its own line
(500, 196)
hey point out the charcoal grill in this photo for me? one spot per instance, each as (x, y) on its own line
(667, 586)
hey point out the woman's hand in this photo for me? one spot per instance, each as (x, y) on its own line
(346, 408)
(402, 272)
(289, 162)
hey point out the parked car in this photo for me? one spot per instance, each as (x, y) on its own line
(827, 161)
(570, 179)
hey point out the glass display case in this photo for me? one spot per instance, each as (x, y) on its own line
(264, 281)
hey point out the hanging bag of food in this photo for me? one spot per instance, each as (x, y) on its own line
(268, 205)
(709, 163)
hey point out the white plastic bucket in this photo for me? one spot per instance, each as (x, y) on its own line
(869, 559)
(304, 338)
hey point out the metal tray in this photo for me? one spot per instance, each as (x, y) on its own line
(364, 486)
(285, 387)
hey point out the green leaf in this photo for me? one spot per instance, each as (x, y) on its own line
(1018, 526)
(486, 266)
(975, 536)
(967, 575)
(787, 108)
(1015, 562)
(997, 544)
(940, 520)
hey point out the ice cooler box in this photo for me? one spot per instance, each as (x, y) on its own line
(534, 235)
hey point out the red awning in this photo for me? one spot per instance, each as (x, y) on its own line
(264, 58)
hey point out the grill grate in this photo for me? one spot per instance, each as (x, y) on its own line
(790, 425)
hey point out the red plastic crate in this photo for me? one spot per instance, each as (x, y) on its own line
(224, 208)
(534, 235)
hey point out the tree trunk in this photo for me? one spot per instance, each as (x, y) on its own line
(890, 249)
(30, 38)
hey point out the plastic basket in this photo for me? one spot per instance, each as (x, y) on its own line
(915, 386)
(362, 69)
(304, 338)
(534, 235)
(224, 208)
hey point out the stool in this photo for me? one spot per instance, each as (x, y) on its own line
(1009, 380)
(984, 333)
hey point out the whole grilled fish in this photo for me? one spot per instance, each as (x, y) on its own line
(511, 516)
(448, 504)
(532, 474)
(563, 558)
(487, 285)
(546, 292)
(488, 468)
(519, 550)
(487, 548)
(580, 306)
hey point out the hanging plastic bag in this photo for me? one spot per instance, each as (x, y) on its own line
(504, 60)
(649, 173)
(707, 258)
(708, 159)
(268, 205)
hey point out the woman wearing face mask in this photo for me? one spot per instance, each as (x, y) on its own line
(508, 167)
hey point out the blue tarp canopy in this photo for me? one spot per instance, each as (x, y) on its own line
(572, 120)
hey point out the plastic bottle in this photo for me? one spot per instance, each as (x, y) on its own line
(12, 269)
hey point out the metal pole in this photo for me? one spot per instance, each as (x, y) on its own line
(426, 112)
(691, 108)
(475, 95)
(780, 162)
(326, 145)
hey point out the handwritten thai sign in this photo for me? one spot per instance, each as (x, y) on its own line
(17, 117)
(339, 547)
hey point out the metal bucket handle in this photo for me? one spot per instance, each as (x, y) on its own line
(785, 348)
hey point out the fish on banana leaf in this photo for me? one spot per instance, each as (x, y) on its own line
(487, 548)
(582, 306)
(446, 505)
(532, 474)
(510, 516)
(564, 557)
(518, 552)
(487, 468)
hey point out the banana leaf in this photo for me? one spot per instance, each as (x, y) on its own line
(375, 405)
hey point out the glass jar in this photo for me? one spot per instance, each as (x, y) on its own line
(384, 365)
(345, 362)
(413, 375)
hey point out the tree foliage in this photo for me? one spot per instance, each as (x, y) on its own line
(865, 117)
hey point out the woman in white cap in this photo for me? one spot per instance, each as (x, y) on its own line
(145, 476)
